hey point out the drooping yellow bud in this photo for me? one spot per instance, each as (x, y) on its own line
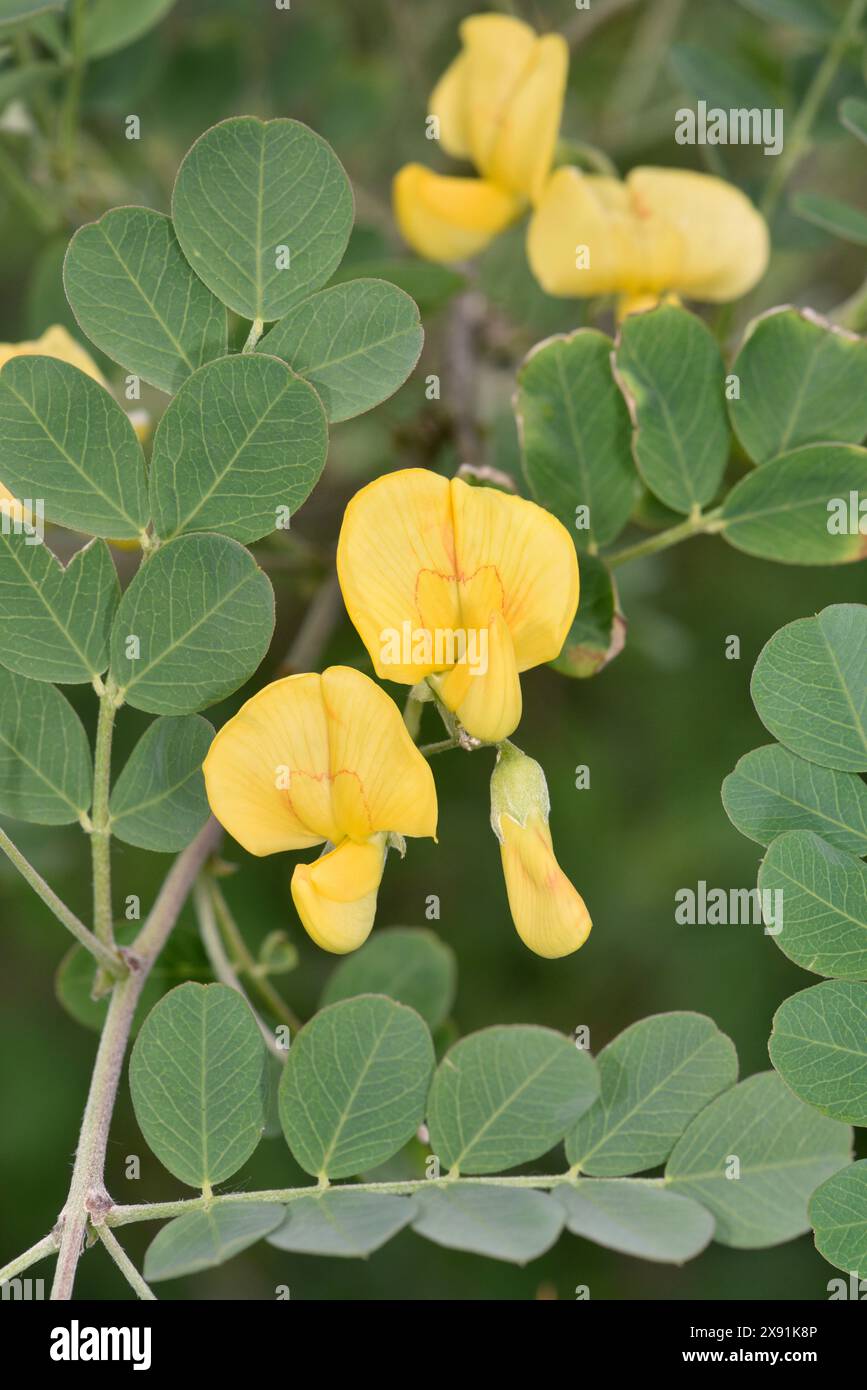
(549, 913)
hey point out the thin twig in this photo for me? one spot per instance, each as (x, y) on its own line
(125, 1264)
(220, 963)
(40, 1251)
(323, 614)
(246, 962)
(104, 955)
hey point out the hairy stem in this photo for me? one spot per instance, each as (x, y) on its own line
(256, 330)
(125, 1264)
(248, 965)
(220, 963)
(40, 1251)
(87, 1195)
(799, 136)
(702, 523)
(100, 835)
(103, 954)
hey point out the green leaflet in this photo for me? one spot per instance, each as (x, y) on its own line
(819, 1047)
(197, 1075)
(802, 381)
(654, 1078)
(55, 621)
(809, 687)
(823, 892)
(137, 299)
(575, 435)
(192, 626)
(342, 1222)
(598, 633)
(409, 964)
(109, 26)
(506, 1095)
(158, 801)
(238, 450)
(670, 370)
(838, 1215)
(783, 1150)
(203, 1239)
(356, 343)
(502, 1223)
(772, 790)
(790, 509)
(354, 1086)
(263, 212)
(833, 215)
(45, 764)
(637, 1218)
(65, 440)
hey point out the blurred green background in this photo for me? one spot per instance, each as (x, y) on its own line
(659, 728)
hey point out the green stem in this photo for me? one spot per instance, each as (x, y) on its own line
(67, 128)
(852, 313)
(40, 1251)
(125, 1264)
(257, 328)
(802, 125)
(247, 963)
(41, 211)
(100, 835)
(104, 954)
(429, 750)
(222, 967)
(162, 1211)
(699, 524)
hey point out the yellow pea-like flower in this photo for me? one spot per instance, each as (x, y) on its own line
(548, 911)
(464, 587)
(498, 105)
(658, 232)
(315, 760)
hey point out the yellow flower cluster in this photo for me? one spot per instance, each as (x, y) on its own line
(658, 232)
(461, 588)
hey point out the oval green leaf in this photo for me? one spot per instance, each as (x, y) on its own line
(66, 441)
(798, 509)
(197, 1074)
(263, 212)
(654, 1078)
(137, 299)
(158, 802)
(598, 633)
(500, 1222)
(355, 343)
(238, 450)
(46, 773)
(671, 373)
(637, 1218)
(772, 790)
(802, 381)
(54, 620)
(354, 1086)
(192, 626)
(575, 436)
(838, 1215)
(342, 1222)
(819, 1047)
(809, 687)
(506, 1095)
(109, 26)
(780, 1149)
(409, 964)
(204, 1239)
(823, 892)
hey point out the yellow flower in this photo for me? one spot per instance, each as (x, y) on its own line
(55, 342)
(463, 586)
(498, 105)
(548, 911)
(323, 759)
(659, 231)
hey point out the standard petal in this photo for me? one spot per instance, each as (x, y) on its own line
(497, 50)
(396, 565)
(449, 219)
(725, 240)
(55, 342)
(535, 562)
(448, 104)
(380, 781)
(267, 772)
(524, 148)
(585, 238)
(336, 896)
(548, 911)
